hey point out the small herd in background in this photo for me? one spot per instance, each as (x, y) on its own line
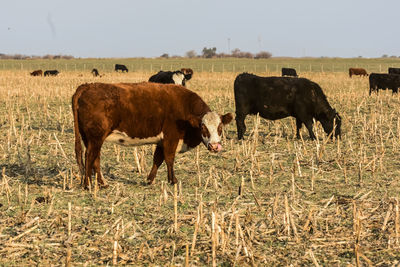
(377, 81)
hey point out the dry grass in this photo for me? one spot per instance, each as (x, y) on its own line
(301, 202)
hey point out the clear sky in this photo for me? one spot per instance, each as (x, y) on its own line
(130, 28)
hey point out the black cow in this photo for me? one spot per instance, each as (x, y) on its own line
(95, 72)
(279, 97)
(289, 72)
(121, 67)
(394, 70)
(384, 81)
(51, 73)
(174, 77)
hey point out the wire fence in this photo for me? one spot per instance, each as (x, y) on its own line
(197, 67)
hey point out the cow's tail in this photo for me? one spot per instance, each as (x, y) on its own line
(78, 144)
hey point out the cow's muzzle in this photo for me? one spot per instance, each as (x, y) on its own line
(214, 147)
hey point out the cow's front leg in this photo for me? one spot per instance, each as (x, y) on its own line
(298, 127)
(241, 126)
(169, 148)
(157, 161)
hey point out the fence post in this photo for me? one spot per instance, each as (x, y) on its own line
(380, 68)
(266, 67)
(212, 68)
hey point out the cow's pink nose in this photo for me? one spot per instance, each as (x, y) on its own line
(215, 147)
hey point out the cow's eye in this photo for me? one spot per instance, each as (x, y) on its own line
(219, 129)
(204, 131)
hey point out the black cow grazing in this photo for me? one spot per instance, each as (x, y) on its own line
(51, 73)
(279, 97)
(174, 77)
(384, 81)
(121, 67)
(394, 70)
(95, 72)
(289, 72)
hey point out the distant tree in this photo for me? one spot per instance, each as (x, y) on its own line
(240, 54)
(165, 55)
(263, 54)
(384, 56)
(236, 52)
(191, 54)
(209, 52)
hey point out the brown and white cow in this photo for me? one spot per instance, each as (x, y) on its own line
(171, 116)
(188, 73)
(357, 71)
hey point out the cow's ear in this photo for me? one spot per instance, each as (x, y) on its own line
(194, 121)
(227, 118)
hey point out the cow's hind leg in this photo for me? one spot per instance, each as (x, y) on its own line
(298, 127)
(92, 153)
(169, 148)
(100, 179)
(158, 159)
(241, 126)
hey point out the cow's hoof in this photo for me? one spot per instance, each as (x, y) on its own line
(150, 182)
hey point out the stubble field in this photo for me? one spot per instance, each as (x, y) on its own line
(301, 202)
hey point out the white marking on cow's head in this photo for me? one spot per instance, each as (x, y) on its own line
(211, 129)
(178, 78)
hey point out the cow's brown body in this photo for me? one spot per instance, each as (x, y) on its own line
(137, 114)
(37, 73)
(357, 71)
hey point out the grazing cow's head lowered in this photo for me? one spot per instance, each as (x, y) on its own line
(330, 120)
(211, 129)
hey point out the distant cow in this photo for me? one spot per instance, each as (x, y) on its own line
(173, 77)
(95, 72)
(51, 73)
(121, 67)
(289, 72)
(394, 70)
(279, 97)
(188, 73)
(357, 71)
(37, 73)
(133, 114)
(384, 81)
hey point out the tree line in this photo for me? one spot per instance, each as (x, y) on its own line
(20, 56)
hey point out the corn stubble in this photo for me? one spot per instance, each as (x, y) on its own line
(271, 199)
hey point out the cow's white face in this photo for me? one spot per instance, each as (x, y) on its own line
(178, 78)
(211, 130)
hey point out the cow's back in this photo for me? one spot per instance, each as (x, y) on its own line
(149, 106)
(254, 94)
